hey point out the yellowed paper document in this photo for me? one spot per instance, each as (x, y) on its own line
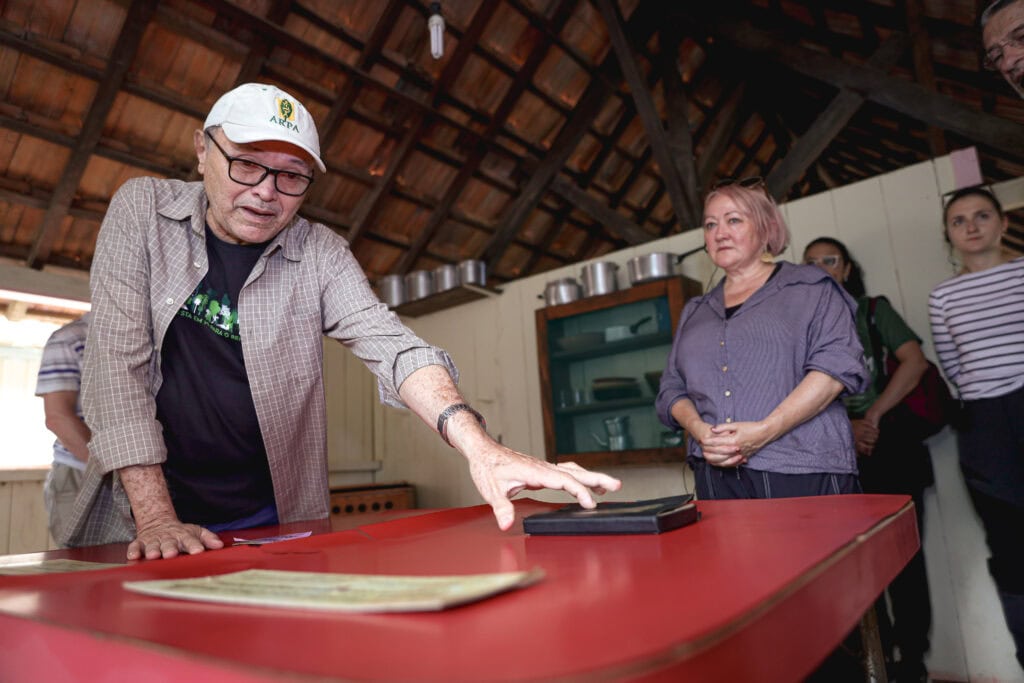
(53, 567)
(338, 592)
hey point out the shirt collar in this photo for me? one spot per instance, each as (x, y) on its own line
(182, 201)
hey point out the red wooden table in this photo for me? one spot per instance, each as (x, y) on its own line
(757, 590)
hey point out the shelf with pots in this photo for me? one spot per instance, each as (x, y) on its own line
(423, 291)
(600, 361)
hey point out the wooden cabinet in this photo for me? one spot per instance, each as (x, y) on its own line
(600, 359)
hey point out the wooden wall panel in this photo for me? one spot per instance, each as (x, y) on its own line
(30, 534)
(7, 518)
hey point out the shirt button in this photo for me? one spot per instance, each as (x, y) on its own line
(197, 264)
(724, 368)
(728, 419)
(728, 393)
(721, 343)
(170, 301)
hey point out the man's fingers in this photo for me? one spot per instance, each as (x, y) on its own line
(209, 540)
(504, 512)
(598, 481)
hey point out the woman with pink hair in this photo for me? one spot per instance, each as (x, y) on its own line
(759, 362)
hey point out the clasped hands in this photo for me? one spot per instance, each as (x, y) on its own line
(731, 444)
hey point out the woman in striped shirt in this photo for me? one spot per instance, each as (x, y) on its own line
(977, 320)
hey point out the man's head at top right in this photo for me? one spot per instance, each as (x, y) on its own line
(1002, 33)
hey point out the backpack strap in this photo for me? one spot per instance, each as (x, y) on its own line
(877, 350)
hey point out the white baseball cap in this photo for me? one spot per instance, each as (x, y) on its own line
(254, 112)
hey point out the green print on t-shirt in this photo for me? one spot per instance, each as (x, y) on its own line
(216, 314)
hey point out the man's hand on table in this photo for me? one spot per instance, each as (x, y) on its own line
(500, 473)
(167, 538)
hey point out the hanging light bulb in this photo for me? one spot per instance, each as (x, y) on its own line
(436, 26)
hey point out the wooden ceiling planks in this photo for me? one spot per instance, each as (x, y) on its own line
(551, 131)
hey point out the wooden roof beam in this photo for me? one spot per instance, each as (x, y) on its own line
(923, 68)
(911, 99)
(260, 50)
(508, 103)
(369, 205)
(732, 115)
(809, 146)
(644, 101)
(350, 91)
(612, 220)
(680, 140)
(587, 108)
(138, 16)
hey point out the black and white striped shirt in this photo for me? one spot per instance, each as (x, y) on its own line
(978, 328)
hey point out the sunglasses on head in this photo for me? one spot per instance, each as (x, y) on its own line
(979, 186)
(754, 182)
(830, 261)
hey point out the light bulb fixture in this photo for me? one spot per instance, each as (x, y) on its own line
(436, 25)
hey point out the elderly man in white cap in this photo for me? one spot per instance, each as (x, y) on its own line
(202, 382)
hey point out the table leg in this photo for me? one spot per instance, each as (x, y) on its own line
(871, 642)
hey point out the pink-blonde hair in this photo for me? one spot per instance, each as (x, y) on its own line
(763, 212)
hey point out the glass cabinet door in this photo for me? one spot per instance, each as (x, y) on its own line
(602, 362)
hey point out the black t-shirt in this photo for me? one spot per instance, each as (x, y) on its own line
(216, 466)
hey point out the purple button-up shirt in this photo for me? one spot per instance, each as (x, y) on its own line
(740, 368)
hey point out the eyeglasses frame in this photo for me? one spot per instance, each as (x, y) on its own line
(824, 261)
(267, 170)
(1014, 38)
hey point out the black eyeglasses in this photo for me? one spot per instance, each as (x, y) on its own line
(993, 59)
(248, 172)
(754, 182)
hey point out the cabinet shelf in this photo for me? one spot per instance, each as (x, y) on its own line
(570, 431)
(440, 300)
(606, 406)
(640, 341)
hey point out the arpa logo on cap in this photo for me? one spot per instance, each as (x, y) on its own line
(285, 114)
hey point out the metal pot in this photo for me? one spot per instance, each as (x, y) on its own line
(392, 290)
(473, 272)
(446, 277)
(652, 266)
(599, 278)
(561, 291)
(418, 284)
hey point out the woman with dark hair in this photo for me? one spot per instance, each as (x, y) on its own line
(890, 457)
(757, 363)
(977, 320)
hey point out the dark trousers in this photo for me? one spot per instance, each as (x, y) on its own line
(1004, 533)
(991, 444)
(900, 465)
(730, 483)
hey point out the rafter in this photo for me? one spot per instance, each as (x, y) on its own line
(477, 153)
(659, 143)
(138, 16)
(836, 116)
(910, 99)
